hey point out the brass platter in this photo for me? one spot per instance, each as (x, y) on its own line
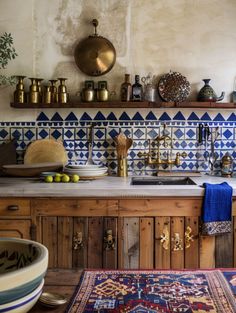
(95, 55)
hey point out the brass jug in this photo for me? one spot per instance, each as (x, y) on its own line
(102, 92)
(19, 93)
(62, 91)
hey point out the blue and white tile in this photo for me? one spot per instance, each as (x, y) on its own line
(29, 134)
(190, 133)
(152, 132)
(4, 133)
(227, 133)
(178, 133)
(139, 133)
(56, 133)
(16, 133)
(69, 133)
(99, 133)
(43, 133)
(81, 133)
(69, 145)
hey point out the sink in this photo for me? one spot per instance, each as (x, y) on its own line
(162, 181)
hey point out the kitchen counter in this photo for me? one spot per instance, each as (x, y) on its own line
(112, 187)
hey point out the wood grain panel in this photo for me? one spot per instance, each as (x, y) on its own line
(73, 207)
(130, 243)
(95, 242)
(192, 253)
(146, 242)
(207, 252)
(22, 204)
(49, 239)
(80, 255)
(234, 239)
(177, 251)
(15, 228)
(65, 234)
(160, 207)
(110, 255)
(224, 250)
(162, 255)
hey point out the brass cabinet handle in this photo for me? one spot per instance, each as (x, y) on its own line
(165, 238)
(177, 242)
(188, 237)
(109, 240)
(13, 207)
(78, 241)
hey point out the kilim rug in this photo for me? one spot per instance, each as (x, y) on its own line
(163, 291)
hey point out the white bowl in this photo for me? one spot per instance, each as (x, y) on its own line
(23, 266)
(84, 166)
(24, 304)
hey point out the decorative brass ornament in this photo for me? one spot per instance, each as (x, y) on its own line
(109, 240)
(188, 237)
(165, 238)
(95, 55)
(177, 242)
(78, 241)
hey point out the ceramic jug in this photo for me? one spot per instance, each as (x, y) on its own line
(207, 93)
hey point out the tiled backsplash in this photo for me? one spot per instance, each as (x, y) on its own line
(141, 125)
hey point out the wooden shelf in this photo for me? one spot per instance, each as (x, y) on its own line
(130, 104)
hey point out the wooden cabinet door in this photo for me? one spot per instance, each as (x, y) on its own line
(15, 228)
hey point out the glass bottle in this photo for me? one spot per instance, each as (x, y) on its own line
(137, 90)
(126, 89)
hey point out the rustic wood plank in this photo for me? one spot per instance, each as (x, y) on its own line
(15, 228)
(192, 252)
(160, 207)
(234, 239)
(95, 242)
(177, 242)
(49, 238)
(71, 277)
(21, 206)
(224, 250)
(162, 250)
(146, 243)
(80, 252)
(65, 234)
(130, 244)
(207, 252)
(109, 253)
(120, 242)
(73, 207)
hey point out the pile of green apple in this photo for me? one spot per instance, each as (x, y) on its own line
(62, 178)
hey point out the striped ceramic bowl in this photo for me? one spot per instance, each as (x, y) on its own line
(23, 264)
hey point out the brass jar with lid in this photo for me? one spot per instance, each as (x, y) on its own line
(227, 165)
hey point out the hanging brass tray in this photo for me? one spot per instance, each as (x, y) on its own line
(95, 55)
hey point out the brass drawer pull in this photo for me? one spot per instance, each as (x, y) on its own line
(109, 240)
(165, 238)
(78, 241)
(188, 237)
(177, 242)
(13, 207)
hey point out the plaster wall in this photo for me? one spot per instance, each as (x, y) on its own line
(194, 37)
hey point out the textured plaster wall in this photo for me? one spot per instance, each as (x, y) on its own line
(194, 37)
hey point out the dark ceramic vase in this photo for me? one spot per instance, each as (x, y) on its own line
(207, 93)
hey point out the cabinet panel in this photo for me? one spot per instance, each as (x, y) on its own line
(80, 238)
(191, 243)
(110, 243)
(207, 252)
(224, 250)
(146, 243)
(15, 228)
(95, 242)
(162, 242)
(14, 207)
(49, 238)
(65, 234)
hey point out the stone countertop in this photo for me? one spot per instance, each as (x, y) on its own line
(107, 187)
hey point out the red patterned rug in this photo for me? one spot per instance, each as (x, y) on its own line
(210, 291)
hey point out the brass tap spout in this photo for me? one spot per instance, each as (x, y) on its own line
(177, 159)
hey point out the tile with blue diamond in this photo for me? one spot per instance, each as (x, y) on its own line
(21, 145)
(139, 133)
(140, 144)
(81, 155)
(99, 133)
(190, 133)
(43, 133)
(4, 133)
(178, 132)
(81, 133)
(111, 154)
(81, 144)
(16, 133)
(152, 132)
(69, 133)
(98, 144)
(112, 132)
(69, 145)
(227, 133)
(56, 133)
(127, 131)
(29, 134)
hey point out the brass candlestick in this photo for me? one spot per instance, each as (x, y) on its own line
(19, 93)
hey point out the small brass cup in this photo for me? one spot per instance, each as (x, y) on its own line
(122, 169)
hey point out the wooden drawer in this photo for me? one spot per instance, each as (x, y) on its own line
(65, 207)
(14, 207)
(160, 207)
(15, 228)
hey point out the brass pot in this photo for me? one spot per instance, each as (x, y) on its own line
(95, 55)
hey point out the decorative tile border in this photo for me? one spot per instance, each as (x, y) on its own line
(141, 126)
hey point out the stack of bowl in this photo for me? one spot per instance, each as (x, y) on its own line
(86, 171)
(22, 269)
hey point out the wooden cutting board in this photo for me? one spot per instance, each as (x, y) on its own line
(45, 150)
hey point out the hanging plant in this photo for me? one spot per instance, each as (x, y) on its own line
(7, 53)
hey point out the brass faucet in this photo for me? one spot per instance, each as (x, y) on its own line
(167, 143)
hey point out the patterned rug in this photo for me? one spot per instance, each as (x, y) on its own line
(210, 291)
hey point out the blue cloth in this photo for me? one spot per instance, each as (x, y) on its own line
(217, 209)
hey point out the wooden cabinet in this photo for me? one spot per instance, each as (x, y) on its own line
(15, 218)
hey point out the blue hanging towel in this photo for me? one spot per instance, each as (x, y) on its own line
(217, 209)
